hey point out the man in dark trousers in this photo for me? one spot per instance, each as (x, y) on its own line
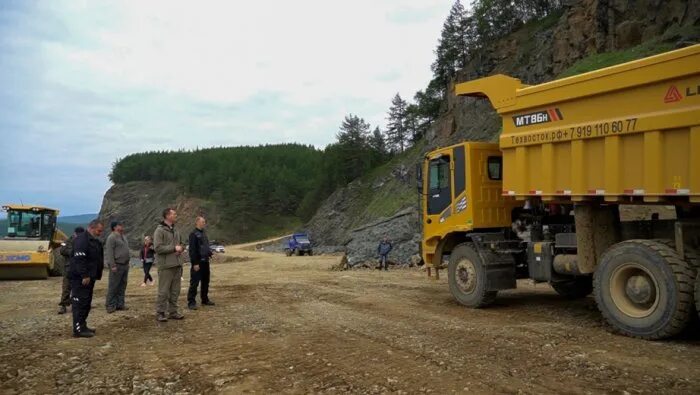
(383, 250)
(85, 269)
(199, 259)
(67, 253)
(117, 256)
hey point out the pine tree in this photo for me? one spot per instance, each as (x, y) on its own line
(377, 142)
(354, 130)
(396, 130)
(453, 46)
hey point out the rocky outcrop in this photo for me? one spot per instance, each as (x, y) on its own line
(140, 204)
(401, 229)
(542, 50)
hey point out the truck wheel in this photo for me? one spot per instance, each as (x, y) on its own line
(297, 252)
(57, 265)
(693, 259)
(576, 288)
(466, 276)
(697, 294)
(311, 252)
(644, 289)
(288, 252)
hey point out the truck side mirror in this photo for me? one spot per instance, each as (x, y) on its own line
(419, 177)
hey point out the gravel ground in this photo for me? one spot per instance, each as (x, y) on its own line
(291, 325)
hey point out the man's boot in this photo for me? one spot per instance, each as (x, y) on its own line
(83, 333)
(192, 305)
(176, 316)
(87, 329)
(161, 317)
(62, 309)
(208, 303)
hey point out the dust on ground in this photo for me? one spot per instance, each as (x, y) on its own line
(291, 325)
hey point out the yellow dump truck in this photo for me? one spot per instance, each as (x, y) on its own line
(29, 250)
(544, 203)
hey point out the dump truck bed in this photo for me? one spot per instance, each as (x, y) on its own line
(623, 133)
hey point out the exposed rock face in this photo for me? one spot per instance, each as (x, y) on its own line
(399, 228)
(541, 51)
(140, 204)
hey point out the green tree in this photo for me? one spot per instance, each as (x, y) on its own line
(396, 129)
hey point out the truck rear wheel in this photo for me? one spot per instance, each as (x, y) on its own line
(697, 294)
(644, 289)
(298, 252)
(576, 288)
(466, 276)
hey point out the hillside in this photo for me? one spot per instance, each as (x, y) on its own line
(581, 36)
(246, 192)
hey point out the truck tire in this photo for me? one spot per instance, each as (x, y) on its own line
(644, 289)
(311, 252)
(693, 259)
(288, 252)
(576, 288)
(697, 294)
(57, 266)
(298, 252)
(466, 276)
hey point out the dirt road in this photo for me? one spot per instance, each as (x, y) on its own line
(291, 325)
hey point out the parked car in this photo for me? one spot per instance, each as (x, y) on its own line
(217, 248)
(299, 244)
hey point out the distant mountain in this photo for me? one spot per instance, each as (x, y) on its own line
(76, 219)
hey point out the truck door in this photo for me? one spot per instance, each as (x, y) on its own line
(439, 185)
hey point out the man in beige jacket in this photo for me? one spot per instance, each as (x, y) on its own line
(168, 246)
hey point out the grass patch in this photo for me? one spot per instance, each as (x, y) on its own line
(607, 59)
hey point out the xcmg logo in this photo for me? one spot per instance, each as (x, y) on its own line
(548, 115)
(15, 258)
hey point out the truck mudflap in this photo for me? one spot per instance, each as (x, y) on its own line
(500, 268)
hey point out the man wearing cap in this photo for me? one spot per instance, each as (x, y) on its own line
(117, 258)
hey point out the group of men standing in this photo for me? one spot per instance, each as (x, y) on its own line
(87, 256)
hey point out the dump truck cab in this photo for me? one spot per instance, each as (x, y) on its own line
(27, 250)
(461, 187)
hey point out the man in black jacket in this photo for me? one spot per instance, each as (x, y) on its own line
(67, 253)
(85, 268)
(199, 259)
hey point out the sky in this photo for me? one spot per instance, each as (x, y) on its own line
(87, 82)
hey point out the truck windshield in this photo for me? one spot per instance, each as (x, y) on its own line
(30, 224)
(302, 239)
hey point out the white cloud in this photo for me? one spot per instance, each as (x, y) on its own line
(94, 81)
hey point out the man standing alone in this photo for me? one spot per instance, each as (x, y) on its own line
(85, 269)
(117, 258)
(383, 250)
(168, 246)
(199, 259)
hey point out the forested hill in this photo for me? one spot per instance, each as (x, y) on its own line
(250, 186)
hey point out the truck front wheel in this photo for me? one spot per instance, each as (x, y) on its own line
(576, 288)
(644, 289)
(466, 276)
